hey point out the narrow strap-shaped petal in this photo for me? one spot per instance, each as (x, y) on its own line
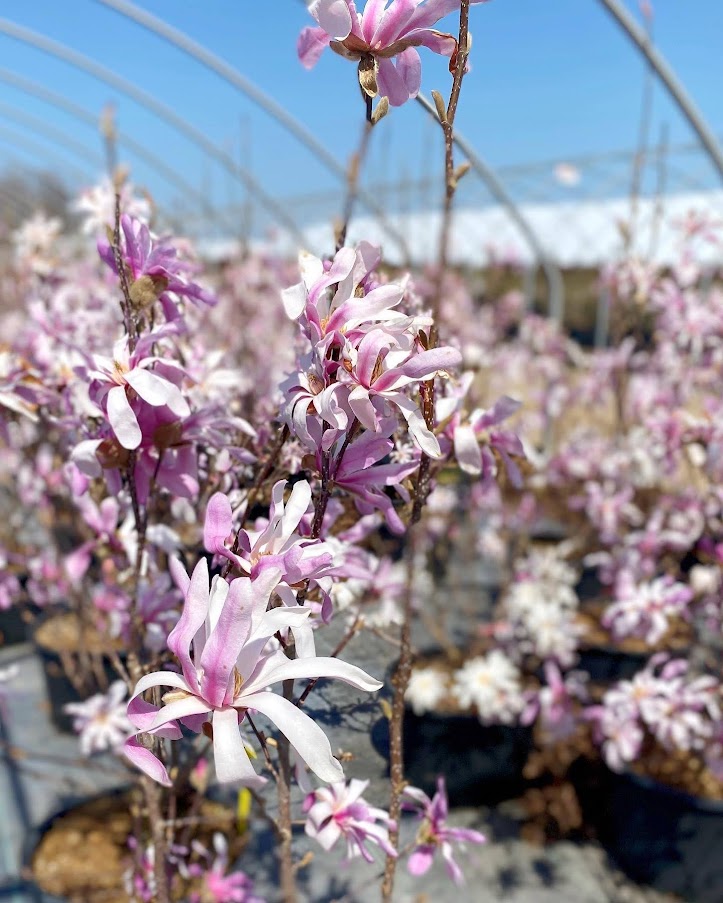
(409, 67)
(390, 83)
(312, 668)
(144, 714)
(225, 642)
(229, 753)
(218, 523)
(294, 297)
(307, 738)
(418, 428)
(195, 609)
(333, 16)
(144, 760)
(432, 11)
(467, 450)
(295, 509)
(364, 410)
(393, 22)
(373, 12)
(179, 575)
(160, 679)
(181, 708)
(123, 419)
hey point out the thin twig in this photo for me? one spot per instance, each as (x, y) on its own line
(401, 677)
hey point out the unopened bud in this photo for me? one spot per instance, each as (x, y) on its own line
(440, 105)
(368, 75)
(462, 170)
(381, 110)
(146, 290)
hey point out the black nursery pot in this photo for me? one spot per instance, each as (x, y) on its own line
(94, 676)
(12, 626)
(482, 764)
(607, 664)
(664, 837)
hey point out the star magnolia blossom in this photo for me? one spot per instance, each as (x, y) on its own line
(129, 373)
(434, 834)
(101, 721)
(490, 683)
(154, 268)
(278, 545)
(377, 35)
(426, 688)
(339, 811)
(230, 671)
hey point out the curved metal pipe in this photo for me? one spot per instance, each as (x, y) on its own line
(102, 73)
(667, 76)
(233, 77)
(59, 137)
(37, 148)
(91, 119)
(552, 273)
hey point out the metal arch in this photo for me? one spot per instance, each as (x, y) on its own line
(274, 109)
(102, 73)
(552, 273)
(59, 137)
(17, 139)
(671, 83)
(91, 119)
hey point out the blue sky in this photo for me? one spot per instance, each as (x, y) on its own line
(550, 80)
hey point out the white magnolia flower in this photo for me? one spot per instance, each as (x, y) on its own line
(490, 683)
(101, 721)
(427, 687)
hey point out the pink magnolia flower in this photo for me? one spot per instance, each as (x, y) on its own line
(646, 609)
(556, 703)
(376, 36)
(278, 545)
(220, 886)
(380, 368)
(339, 811)
(230, 671)
(434, 834)
(126, 381)
(157, 259)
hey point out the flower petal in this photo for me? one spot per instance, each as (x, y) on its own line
(229, 753)
(307, 738)
(467, 450)
(195, 609)
(226, 641)
(122, 418)
(156, 391)
(324, 666)
(333, 16)
(144, 759)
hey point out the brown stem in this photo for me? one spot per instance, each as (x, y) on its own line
(283, 786)
(261, 737)
(126, 303)
(152, 794)
(400, 681)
